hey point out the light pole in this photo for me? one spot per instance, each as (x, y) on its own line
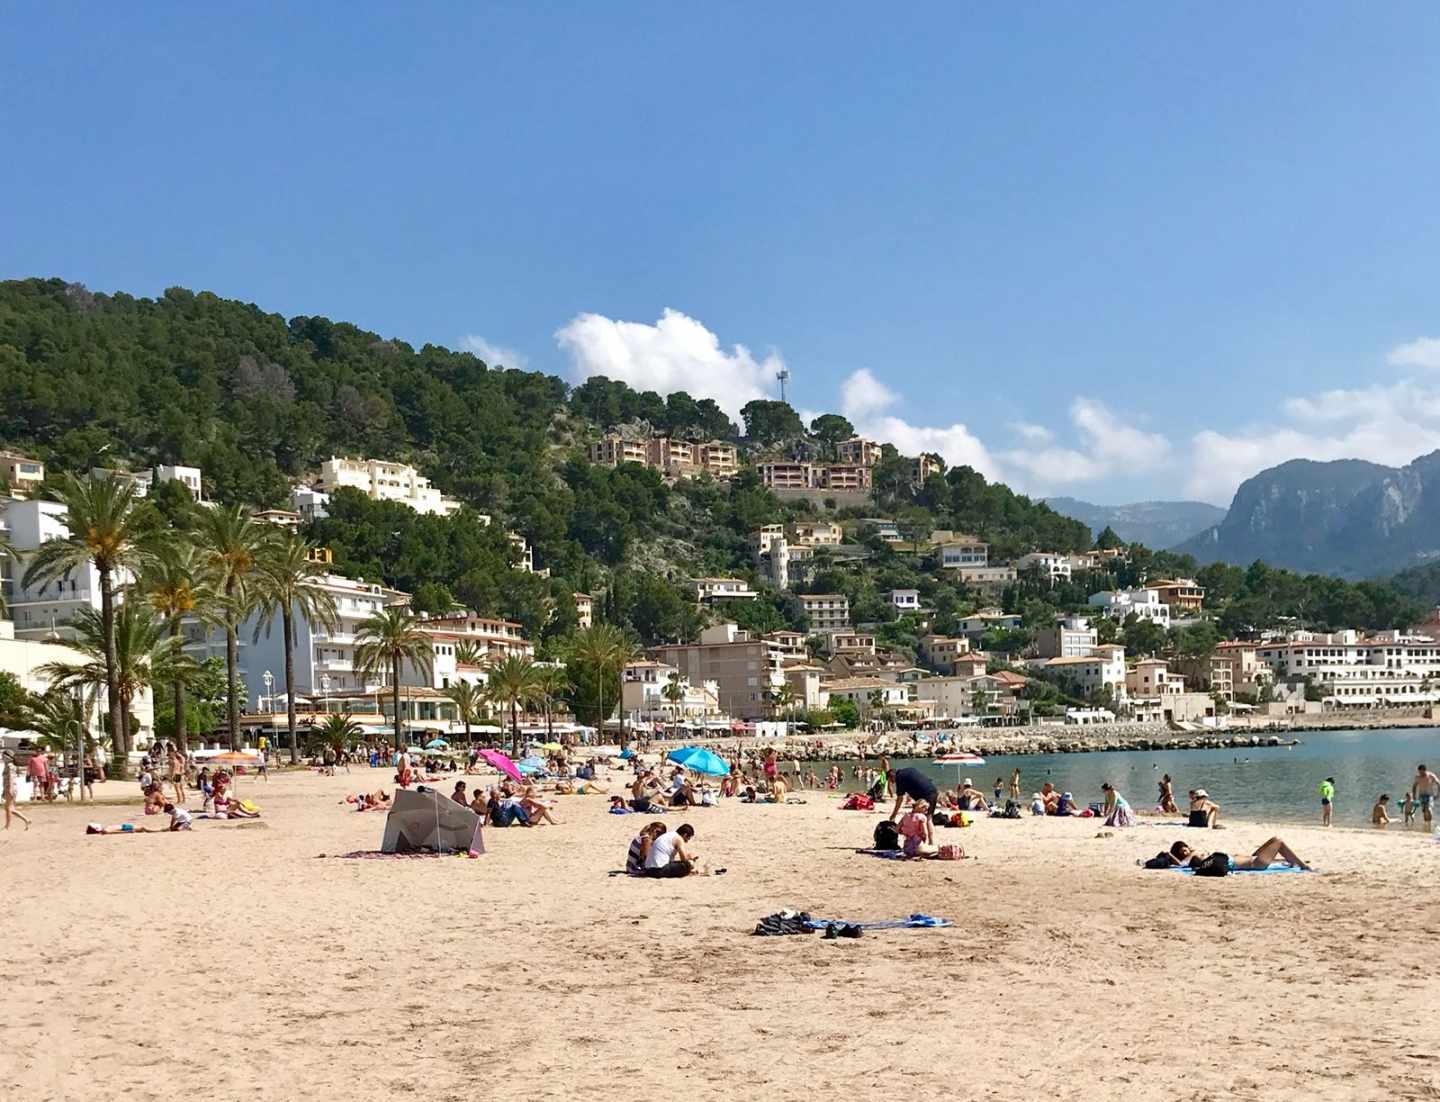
(269, 679)
(325, 691)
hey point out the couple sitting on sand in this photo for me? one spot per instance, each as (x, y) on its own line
(660, 853)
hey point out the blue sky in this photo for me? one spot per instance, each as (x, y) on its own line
(1115, 251)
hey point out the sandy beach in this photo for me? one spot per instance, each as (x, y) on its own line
(237, 962)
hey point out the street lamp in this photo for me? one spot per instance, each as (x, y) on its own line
(325, 691)
(269, 679)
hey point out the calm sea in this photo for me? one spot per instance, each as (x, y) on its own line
(1270, 783)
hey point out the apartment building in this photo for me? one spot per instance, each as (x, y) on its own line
(967, 695)
(1150, 678)
(1390, 668)
(746, 670)
(870, 695)
(844, 478)
(324, 658)
(1051, 564)
(790, 644)
(1068, 637)
(612, 449)
(145, 481)
(941, 652)
(858, 452)
(584, 610)
(455, 634)
(1182, 595)
(1119, 604)
(381, 480)
(21, 473)
(787, 475)
(887, 530)
(672, 458)
(719, 459)
(1232, 668)
(852, 644)
(643, 688)
(964, 552)
(1102, 669)
(709, 590)
(45, 611)
(826, 611)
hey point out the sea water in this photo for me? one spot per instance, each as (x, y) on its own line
(1259, 783)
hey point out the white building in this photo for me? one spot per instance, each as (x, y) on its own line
(310, 503)
(1117, 604)
(1103, 668)
(905, 600)
(722, 589)
(43, 611)
(643, 689)
(324, 659)
(964, 552)
(383, 481)
(454, 636)
(1388, 669)
(1052, 565)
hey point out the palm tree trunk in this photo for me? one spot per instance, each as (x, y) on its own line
(120, 749)
(395, 691)
(182, 737)
(514, 729)
(288, 623)
(232, 662)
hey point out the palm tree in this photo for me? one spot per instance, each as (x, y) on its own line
(102, 518)
(674, 693)
(511, 683)
(56, 716)
(469, 700)
(287, 586)
(146, 655)
(550, 685)
(600, 652)
(176, 583)
(384, 643)
(469, 654)
(337, 732)
(234, 545)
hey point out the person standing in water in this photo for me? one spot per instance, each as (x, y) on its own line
(1327, 800)
(1015, 784)
(1167, 794)
(1426, 788)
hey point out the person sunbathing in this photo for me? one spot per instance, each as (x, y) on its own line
(1263, 857)
(1204, 812)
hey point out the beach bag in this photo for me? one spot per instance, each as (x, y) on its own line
(1217, 864)
(950, 853)
(1162, 860)
(1012, 810)
(887, 836)
(857, 802)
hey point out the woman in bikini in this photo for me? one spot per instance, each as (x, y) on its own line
(1262, 858)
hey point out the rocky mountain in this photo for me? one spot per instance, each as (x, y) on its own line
(1156, 524)
(1345, 517)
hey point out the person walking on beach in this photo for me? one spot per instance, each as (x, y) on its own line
(1427, 789)
(7, 791)
(176, 765)
(1327, 800)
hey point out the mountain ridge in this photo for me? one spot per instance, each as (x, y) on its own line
(1157, 524)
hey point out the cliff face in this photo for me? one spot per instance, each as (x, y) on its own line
(1345, 517)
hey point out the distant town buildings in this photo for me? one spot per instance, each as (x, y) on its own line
(21, 473)
(1120, 604)
(710, 590)
(379, 480)
(826, 611)
(672, 457)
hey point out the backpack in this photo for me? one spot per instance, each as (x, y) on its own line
(1162, 860)
(887, 835)
(1217, 864)
(1012, 810)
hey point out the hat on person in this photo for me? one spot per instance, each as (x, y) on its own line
(1066, 796)
(1202, 794)
(968, 782)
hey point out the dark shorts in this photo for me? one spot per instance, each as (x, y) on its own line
(1324, 803)
(1426, 801)
(671, 871)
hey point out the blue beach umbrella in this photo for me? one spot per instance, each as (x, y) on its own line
(700, 760)
(530, 766)
(437, 744)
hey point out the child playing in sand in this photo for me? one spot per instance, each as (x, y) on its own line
(1380, 813)
(915, 828)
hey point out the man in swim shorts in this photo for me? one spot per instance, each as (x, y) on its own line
(915, 784)
(1427, 788)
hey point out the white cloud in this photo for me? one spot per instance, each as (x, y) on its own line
(494, 355)
(864, 400)
(1391, 424)
(676, 353)
(1107, 444)
(1421, 352)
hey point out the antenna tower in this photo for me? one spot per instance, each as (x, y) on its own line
(784, 376)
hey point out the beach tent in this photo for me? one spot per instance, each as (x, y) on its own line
(426, 821)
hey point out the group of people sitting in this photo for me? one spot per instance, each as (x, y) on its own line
(505, 806)
(651, 795)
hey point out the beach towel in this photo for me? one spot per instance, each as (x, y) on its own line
(1236, 872)
(914, 922)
